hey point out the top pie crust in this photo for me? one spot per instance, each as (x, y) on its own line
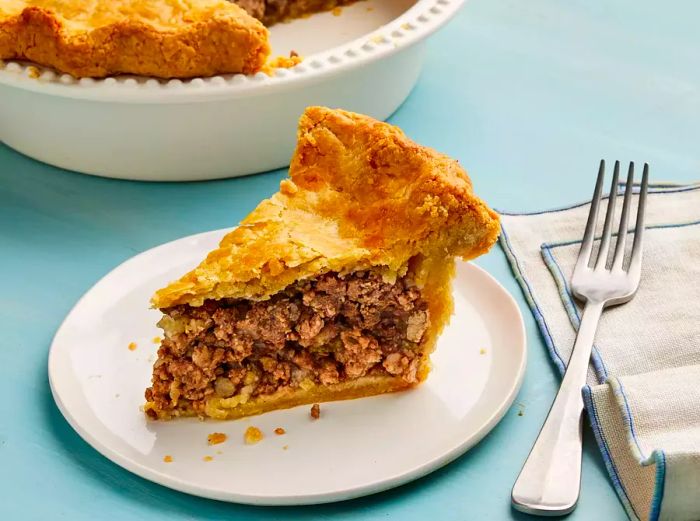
(360, 195)
(161, 38)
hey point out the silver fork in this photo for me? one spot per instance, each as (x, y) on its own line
(550, 480)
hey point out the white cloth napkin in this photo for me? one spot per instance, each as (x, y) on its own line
(643, 392)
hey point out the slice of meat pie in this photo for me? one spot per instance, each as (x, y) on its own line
(336, 287)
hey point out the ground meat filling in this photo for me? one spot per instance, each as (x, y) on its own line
(273, 11)
(325, 330)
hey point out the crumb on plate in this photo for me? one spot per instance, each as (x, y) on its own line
(337, 11)
(482, 351)
(252, 435)
(280, 431)
(168, 458)
(315, 411)
(521, 409)
(156, 340)
(216, 437)
(207, 458)
(33, 72)
(285, 447)
(282, 62)
(132, 346)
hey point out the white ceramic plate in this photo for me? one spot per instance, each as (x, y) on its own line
(141, 128)
(357, 447)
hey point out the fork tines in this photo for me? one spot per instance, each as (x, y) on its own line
(601, 262)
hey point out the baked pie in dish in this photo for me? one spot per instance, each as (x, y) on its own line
(336, 287)
(160, 38)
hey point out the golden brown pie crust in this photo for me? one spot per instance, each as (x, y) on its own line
(126, 36)
(360, 196)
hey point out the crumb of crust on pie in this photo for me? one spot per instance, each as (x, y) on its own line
(168, 458)
(370, 9)
(315, 411)
(216, 437)
(337, 11)
(132, 346)
(252, 435)
(208, 458)
(156, 340)
(280, 431)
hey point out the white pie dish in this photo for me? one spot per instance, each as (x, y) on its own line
(357, 447)
(365, 60)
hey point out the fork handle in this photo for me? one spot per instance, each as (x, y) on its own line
(550, 479)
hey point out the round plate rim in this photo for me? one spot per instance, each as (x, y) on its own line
(365, 489)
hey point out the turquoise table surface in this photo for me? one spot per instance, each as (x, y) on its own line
(528, 95)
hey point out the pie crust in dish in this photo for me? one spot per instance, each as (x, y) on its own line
(336, 287)
(159, 38)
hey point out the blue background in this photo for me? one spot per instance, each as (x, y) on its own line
(528, 95)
